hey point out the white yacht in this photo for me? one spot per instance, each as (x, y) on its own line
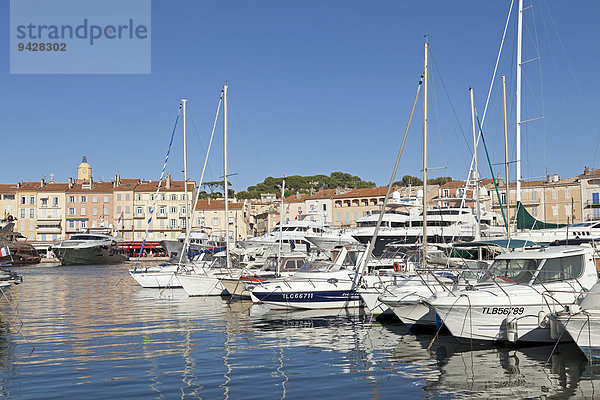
(291, 234)
(513, 300)
(89, 249)
(444, 225)
(199, 240)
(582, 230)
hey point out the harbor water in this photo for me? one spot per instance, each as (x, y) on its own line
(90, 332)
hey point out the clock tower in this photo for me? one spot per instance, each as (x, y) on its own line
(84, 171)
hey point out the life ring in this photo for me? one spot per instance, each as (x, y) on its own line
(396, 266)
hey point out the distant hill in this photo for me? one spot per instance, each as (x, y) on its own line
(305, 184)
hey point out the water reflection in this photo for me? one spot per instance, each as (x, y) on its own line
(95, 338)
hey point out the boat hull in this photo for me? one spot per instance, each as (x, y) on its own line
(97, 255)
(315, 299)
(200, 284)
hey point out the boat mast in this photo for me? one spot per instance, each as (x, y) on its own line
(280, 225)
(225, 173)
(519, 50)
(185, 179)
(425, 152)
(475, 169)
(506, 200)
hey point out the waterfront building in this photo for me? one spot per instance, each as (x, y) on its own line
(89, 206)
(211, 214)
(123, 190)
(51, 205)
(27, 208)
(169, 217)
(590, 194)
(553, 200)
(8, 200)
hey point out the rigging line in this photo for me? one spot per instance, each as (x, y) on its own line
(596, 150)
(242, 129)
(162, 174)
(543, 105)
(437, 116)
(497, 61)
(449, 99)
(570, 65)
(490, 92)
(200, 140)
(186, 242)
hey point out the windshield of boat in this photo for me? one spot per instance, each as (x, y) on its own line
(511, 270)
(522, 270)
(316, 266)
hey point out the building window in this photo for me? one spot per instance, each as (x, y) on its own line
(127, 196)
(32, 200)
(554, 194)
(138, 197)
(94, 199)
(172, 224)
(216, 221)
(106, 199)
(44, 202)
(21, 213)
(71, 211)
(568, 210)
(152, 196)
(534, 211)
(94, 211)
(555, 210)
(182, 210)
(126, 209)
(55, 202)
(84, 199)
(71, 199)
(183, 196)
(32, 213)
(446, 192)
(173, 197)
(83, 211)
(139, 211)
(173, 210)
(118, 196)
(163, 197)
(162, 211)
(71, 224)
(83, 224)
(119, 210)
(23, 200)
(338, 217)
(567, 193)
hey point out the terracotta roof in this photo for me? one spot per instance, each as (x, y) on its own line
(97, 187)
(127, 184)
(459, 184)
(176, 186)
(8, 188)
(29, 186)
(368, 192)
(54, 187)
(217, 205)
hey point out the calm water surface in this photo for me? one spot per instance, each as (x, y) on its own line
(90, 332)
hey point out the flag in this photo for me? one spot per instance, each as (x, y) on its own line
(120, 217)
(4, 252)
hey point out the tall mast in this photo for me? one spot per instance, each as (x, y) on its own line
(475, 169)
(506, 200)
(226, 187)
(425, 153)
(185, 179)
(280, 225)
(519, 49)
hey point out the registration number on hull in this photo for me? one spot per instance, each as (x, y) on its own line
(503, 310)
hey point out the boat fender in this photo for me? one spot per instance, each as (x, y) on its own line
(542, 319)
(396, 266)
(512, 334)
(555, 329)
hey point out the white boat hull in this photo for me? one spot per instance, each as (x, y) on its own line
(200, 284)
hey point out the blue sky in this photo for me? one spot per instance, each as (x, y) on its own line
(315, 87)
